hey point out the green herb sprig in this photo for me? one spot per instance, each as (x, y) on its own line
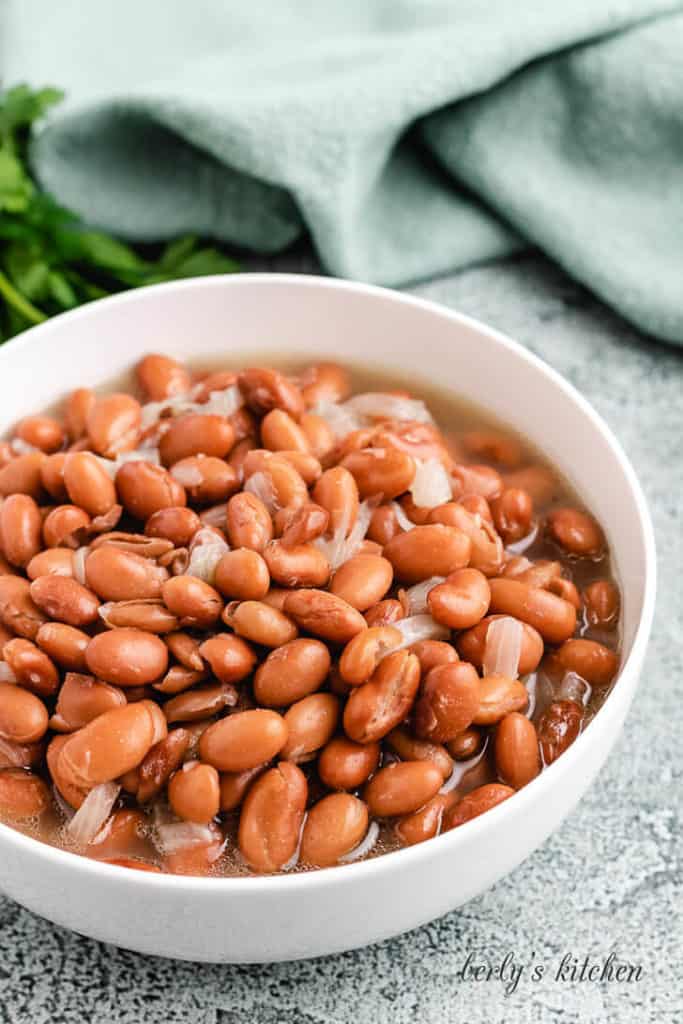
(49, 260)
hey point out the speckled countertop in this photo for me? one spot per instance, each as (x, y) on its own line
(609, 880)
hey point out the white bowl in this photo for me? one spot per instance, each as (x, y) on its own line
(287, 917)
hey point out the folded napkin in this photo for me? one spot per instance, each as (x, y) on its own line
(409, 137)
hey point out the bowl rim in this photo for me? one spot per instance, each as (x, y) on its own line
(350, 873)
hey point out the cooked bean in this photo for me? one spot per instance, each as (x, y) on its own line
(64, 644)
(279, 432)
(194, 793)
(275, 480)
(462, 601)
(512, 514)
(64, 526)
(178, 679)
(362, 581)
(159, 763)
(336, 491)
(300, 525)
(53, 562)
(248, 522)
(88, 484)
(111, 744)
(198, 859)
(516, 749)
(343, 764)
(494, 446)
(42, 432)
(565, 589)
(300, 566)
(133, 863)
(272, 816)
(448, 703)
(383, 525)
(177, 524)
(17, 609)
(471, 645)
(558, 727)
(23, 716)
(230, 657)
(424, 823)
(417, 514)
(205, 479)
(601, 601)
(592, 661)
(265, 389)
(22, 475)
(77, 408)
(260, 623)
(318, 434)
(466, 744)
(52, 476)
(431, 653)
(378, 706)
(477, 506)
(334, 826)
(23, 796)
(552, 616)
(161, 377)
(424, 551)
(193, 601)
(498, 696)
(144, 489)
(576, 532)
(476, 802)
(310, 724)
(486, 547)
(122, 833)
(384, 613)
(117, 575)
(476, 479)
(409, 748)
(324, 382)
(135, 543)
(127, 657)
(402, 787)
(113, 424)
(83, 698)
(384, 471)
(291, 672)
(185, 649)
(243, 740)
(32, 667)
(234, 787)
(65, 600)
(537, 574)
(20, 529)
(215, 380)
(324, 615)
(196, 434)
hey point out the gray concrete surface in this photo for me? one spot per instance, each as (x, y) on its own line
(608, 881)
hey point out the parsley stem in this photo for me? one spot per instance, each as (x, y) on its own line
(17, 301)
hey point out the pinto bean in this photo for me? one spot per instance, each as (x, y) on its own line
(280, 432)
(117, 575)
(383, 525)
(334, 826)
(493, 446)
(343, 764)
(486, 547)
(512, 514)
(20, 529)
(199, 858)
(324, 615)
(424, 823)
(471, 645)
(23, 796)
(271, 818)
(194, 792)
(275, 480)
(378, 706)
(88, 484)
(161, 377)
(248, 522)
(82, 699)
(336, 491)
(324, 382)
(43, 432)
(53, 562)
(65, 600)
(22, 475)
(476, 802)
(77, 408)
(401, 788)
(144, 489)
(234, 786)
(23, 716)
(601, 602)
(32, 667)
(113, 424)
(18, 612)
(310, 722)
(362, 581)
(64, 526)
(265, 389)
(260, 623)
(318, 434)
(424, 551)
(193, 601)
(466, 744)
(462, 601)
(431, 653)
(592, 661)
(300, 566)
(516, 750)
(196, 434)
(243, 740)
(384, 613)
(122, 833)
(64, 644)
(291, 672)
(385, 471)
(231, 658)
(448, 702)
(498, 696)
(111, 744)
(558, 727)
(52, 476)
(409, 748)
(127, 657)
(159, 763)
(205, 479)
(478, 479)
(552, 616)
(177, 524)
(576, 532)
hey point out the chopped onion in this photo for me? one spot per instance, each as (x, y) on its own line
(93, 812)
(431, 484)
(78, 563)
(11, 752)
(175, 405)
(531, 684)
(182, 835)
(339, 548)
(294, 859)
(7, 673)
(260, 485)
(223, 403)
(574, 687)
(417, 595)
(503, 647)
(401, 518)
(215, 516)
(461, 768)
(366, 844)
(112, 466)
(188, 476)
(340, 419)
(520, 546)
(21, 447)
(380, 405)
(205, 554)
(419, 627)
(65, 809)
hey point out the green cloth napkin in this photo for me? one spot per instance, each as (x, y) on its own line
(408, 138)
